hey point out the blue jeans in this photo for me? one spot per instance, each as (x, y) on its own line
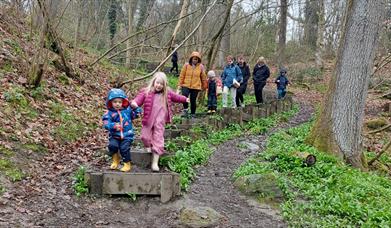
(281, 93)
(212, 102)
(122, 145)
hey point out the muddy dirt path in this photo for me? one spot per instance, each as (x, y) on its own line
(56, 205)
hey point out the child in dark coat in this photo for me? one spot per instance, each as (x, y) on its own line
(282, 82)
(212, 92)
(118, 121)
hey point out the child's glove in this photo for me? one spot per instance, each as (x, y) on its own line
(138, 111)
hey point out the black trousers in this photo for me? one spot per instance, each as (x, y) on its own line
(239, 95)
(258, 88)
(193, 98)
(174, 66)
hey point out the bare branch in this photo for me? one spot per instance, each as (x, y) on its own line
(381, 153)
(183, 41)
(136, 34)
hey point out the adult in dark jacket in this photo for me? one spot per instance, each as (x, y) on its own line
(243, 86)
(174, 60)
(260, 74)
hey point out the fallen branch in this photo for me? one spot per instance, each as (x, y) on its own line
(381, 96)
(379, 130)
(381, 153)
(164, 60)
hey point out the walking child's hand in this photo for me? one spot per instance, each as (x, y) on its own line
(187, 100)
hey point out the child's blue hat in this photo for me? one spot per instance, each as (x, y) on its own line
(117, 93)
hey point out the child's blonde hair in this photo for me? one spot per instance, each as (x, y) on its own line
(163, 78)
(211, 73)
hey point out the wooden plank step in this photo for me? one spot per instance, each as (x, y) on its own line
(115, 183)
(140, 157)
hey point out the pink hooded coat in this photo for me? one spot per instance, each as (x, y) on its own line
(147, 100)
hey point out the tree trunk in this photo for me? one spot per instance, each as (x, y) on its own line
(282, 33)
(215, 41)
(202, 30)
(78, 10)
(185, 6)
(132, 4)
(310, 24)
(339, 126)
(319, 41)
(225, 45)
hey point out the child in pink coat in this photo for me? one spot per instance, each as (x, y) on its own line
(157, 99)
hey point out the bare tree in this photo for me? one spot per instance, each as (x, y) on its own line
(183, 12)
(282, 32)
(132, 4)
(319, 40)
(215, 41)
(339, 126)
(311, 23)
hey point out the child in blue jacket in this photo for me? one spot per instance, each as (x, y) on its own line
(282, 82)
(118, 121)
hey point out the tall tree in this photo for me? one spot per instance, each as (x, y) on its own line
(320, 41)
(215, 41)
(132, 4)
(112, 20)
(282, 32)
(311, 23)
(338, 128)
(185, 6)
(225, 44)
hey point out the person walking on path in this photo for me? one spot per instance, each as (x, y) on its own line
(118, 121)
(174, 60)
(192, 80)
(157, 99)
(243, 86)
(282, 81)
(260, 75)
(231, 77)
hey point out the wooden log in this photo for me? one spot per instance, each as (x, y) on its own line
(236, 116)
(94, 180)
(262, 111)
(164, 184)
(271, 108)
(308, 159)
(172, 133)
(279, 106)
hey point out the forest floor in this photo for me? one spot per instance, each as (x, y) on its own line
(56, 205)
(49, 132)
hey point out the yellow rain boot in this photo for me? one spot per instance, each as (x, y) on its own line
(127, 167)
(116, 161)
(155, 161)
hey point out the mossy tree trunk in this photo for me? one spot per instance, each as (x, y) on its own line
(339, 125)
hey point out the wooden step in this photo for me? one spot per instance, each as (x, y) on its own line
(117, 183)
(140, 157)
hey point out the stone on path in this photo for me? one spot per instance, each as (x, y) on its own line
(251, 146)
(195, 217)
(265, 185)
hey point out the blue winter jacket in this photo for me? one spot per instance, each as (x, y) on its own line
(124, 116)
(281, 81)
(230, 73)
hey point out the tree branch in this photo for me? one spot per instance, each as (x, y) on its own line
(380, 129)
(381, 153)
(183, 41)
(136, 34)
